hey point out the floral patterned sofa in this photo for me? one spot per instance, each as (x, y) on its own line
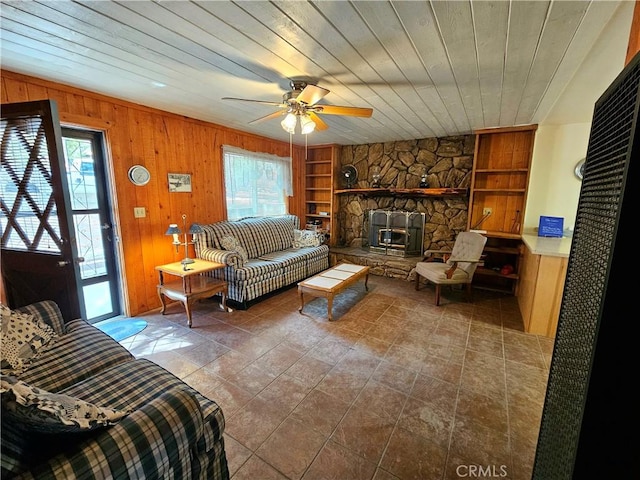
(78, 405)
(261, 254)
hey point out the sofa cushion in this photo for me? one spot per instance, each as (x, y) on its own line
(305, 238)
(255, 268)
(42, 411)
(134, 384)
(46, 311)
(23, 339)
(272, 233)
(231, 243)
(78, 354)
(257, 235)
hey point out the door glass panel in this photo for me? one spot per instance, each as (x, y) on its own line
(80, 173)
(97, 299)
(89, 241)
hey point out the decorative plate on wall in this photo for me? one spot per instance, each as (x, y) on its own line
(139, 175)
(579, 170)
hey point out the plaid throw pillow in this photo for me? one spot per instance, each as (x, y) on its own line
(305, 238)
(38, 410)
(231, 243)
(23, 338)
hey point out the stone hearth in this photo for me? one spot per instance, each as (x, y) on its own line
(382, 265)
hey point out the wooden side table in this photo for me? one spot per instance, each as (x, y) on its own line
(192, 286)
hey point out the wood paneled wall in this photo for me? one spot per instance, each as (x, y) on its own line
(163, 142)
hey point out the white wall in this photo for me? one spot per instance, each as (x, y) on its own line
(553, 187)
(561, 142)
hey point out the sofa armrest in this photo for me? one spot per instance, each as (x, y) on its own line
(228, 257)
(155, 441)
(49, 312)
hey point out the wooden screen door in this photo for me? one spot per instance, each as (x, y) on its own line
(38, 257)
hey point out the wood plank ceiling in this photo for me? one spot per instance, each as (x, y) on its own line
(431, 68)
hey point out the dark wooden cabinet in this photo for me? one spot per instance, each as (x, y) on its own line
(500, 251)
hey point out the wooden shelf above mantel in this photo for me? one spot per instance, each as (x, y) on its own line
(416, 192)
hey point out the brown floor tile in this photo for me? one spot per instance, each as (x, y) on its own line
(285, 391)
(278, 359)
(442, 369)
(309, 370)
(257, 469)
(490, 412)
(335, 462)
(320, 411)
(252, 379)
(381, 400)
(254, 422)
(394, 376)
(364, 433)
(413, 457)
(291, 448)
(391, 389)
(237, 454)
(344, 385)
(428, 419)
(478, 444)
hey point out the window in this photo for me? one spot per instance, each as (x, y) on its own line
(257, 184)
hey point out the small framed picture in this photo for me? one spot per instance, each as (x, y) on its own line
(179, 182)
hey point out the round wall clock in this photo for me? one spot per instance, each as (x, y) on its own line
(579, 170)
(139, 175)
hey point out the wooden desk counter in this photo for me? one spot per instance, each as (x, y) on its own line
(542, 276)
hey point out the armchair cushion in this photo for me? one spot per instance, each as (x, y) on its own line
(458, 268)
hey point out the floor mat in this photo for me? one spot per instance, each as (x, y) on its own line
(121, 328)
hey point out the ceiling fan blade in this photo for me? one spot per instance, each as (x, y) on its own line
(339, 110)
(268, 117)
(320, 125)
(275, 104)
(311, 94)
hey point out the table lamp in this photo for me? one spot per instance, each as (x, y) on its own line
(175, 232)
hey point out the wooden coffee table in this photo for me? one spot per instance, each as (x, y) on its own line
(331, 282)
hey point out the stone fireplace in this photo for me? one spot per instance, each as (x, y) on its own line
(447, 163)
(397, 233)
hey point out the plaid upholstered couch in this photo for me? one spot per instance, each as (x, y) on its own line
(170, 432)
(262, 254)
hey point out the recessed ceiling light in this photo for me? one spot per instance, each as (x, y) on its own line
(158, 84)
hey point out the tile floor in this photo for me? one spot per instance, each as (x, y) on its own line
(393, 388)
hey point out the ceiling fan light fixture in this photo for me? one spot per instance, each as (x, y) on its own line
(307, 125)
(289, 123)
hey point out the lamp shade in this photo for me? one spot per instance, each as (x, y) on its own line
(306, 124)
(289, 123)
(173, 229)
(195, 228)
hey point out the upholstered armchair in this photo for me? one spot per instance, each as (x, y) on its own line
(452, 268)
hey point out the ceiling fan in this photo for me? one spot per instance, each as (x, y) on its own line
(302, 101)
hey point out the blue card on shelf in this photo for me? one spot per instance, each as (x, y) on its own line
(550, 226)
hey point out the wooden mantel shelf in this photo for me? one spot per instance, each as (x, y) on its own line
(424, 192)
